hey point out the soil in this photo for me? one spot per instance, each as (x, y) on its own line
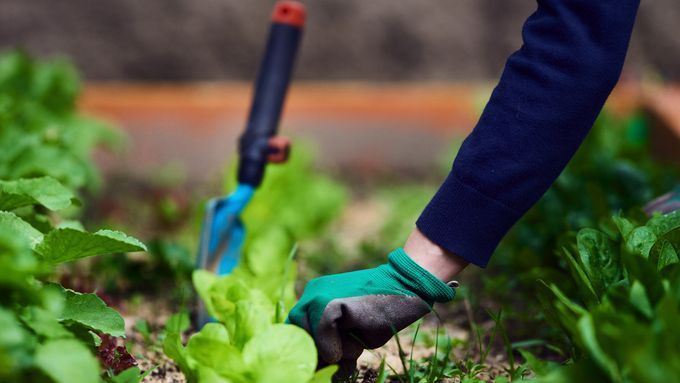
(366, 214)
(156, 312)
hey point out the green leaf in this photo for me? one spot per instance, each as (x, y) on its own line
(667, 229)
(625, 226)
(45, 191)
(267, 253)
(639, 300)
(583, 283)
(65, 245)
(250, 318)
(173, 348)
(561, 311)
(588, 335)
(641, 240)
(67, 361)
(641, 269)
(90, 311)
(53, 161)
(212, 332)
(211, 348)
(208, 375)
(178, 323)
(131, 375)
(585, 370)
(620, 297)
(203, 282)
(70, 224)
(663, 224)
(568, 303)
(546, 299)
(324, 375)
(283, 354)
(18, 228)
(44, 323)
(538, 366)
(123, 238)
(227, 291)
(16, 344)
(667, 255)
(600, 260)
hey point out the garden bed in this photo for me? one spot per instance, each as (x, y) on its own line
(581, 271)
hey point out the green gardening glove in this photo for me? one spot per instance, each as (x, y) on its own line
(347, 313)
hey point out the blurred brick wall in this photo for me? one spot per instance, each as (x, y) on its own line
(363, 130)
(163, 40)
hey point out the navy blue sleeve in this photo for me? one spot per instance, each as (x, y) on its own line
(549, 95)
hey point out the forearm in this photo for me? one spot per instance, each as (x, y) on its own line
(548, 97)
(432, 257)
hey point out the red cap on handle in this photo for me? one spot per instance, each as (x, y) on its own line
(289, 12)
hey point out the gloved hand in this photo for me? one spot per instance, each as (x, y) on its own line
(346, 313)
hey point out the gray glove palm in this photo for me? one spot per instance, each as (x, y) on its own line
(347, 313)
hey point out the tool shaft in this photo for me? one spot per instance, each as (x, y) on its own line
(270, 90)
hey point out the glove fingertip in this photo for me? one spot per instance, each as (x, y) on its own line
(346, 368)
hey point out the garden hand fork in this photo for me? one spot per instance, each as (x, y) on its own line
(223, 232)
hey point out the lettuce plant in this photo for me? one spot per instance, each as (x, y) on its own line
(612, 171)
(248, 342)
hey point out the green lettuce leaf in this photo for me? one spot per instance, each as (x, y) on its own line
(251, 318)
(173, 348)
(211, 348)
(283, 354)
(227, 291)
(203, 282)
(324, 375)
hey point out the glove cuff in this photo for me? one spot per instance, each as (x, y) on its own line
(419, 280)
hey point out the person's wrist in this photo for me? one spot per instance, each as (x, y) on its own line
(432, 257)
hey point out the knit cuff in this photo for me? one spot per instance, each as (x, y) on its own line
(419, 280)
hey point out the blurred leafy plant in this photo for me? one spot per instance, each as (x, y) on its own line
(48, 333)
(612, 171)
(44, 321)
(42, 134)
(165, 270)
(293, 196)
(621, 323)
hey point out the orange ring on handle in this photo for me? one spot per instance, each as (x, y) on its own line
(279, 149)
(289, 12)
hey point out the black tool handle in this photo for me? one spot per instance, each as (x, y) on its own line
(275, 73)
